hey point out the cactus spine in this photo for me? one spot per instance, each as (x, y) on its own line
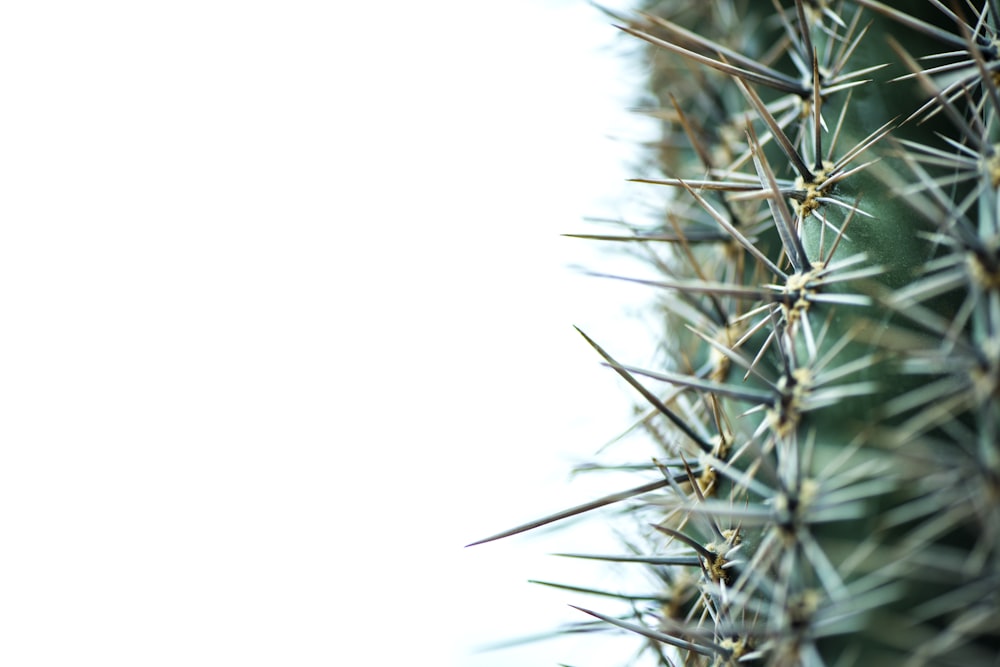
(826, 489)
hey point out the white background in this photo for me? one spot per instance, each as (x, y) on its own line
(286, 320)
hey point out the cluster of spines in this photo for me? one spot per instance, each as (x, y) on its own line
(831, 455)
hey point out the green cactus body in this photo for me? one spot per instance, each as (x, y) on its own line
(828, 486)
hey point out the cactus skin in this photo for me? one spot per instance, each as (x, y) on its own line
(827, 405)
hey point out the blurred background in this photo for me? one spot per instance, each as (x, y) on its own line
(288, 321)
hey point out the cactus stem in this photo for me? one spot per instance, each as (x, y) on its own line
(842, 502)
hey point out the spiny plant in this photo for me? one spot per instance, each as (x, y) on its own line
(825, 406)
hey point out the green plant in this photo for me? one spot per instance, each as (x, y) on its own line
(826, 409)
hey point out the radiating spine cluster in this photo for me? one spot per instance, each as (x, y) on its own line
(827, 490)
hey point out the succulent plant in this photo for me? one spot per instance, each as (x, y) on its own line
(824, 487)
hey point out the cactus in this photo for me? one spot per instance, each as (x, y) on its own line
(825, 405)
